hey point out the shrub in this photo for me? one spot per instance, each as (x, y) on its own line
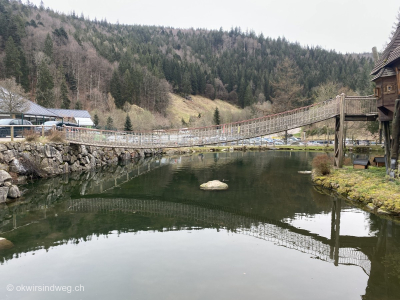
(56, 136)
(31, 135)
(322, 164)
(347, 161)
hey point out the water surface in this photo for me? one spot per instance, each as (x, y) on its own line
(147, 231)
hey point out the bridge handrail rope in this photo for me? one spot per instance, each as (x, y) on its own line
(224, 133)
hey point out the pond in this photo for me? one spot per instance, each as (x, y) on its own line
(146, 231)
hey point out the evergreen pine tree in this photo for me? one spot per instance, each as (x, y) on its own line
(248, 96)
(115, 89)
(217, 119)
(24, 81)
(48, 47)
(12, 62)
(78, 105)
(44, 87)
(64, 96)
(127, 89)
(96, 120)
(110, 124)
(128, 124)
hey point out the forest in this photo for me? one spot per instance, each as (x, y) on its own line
(69, 61)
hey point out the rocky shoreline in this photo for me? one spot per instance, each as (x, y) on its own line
(22, 160)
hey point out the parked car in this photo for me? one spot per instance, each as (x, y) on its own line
(58, 124)
(18, 131)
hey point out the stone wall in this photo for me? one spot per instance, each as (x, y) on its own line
(23, 158)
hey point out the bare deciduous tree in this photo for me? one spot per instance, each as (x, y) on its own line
(12, 97)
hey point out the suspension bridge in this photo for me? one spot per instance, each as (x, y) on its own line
(349, 108)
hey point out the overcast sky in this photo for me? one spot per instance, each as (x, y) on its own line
(342, 25)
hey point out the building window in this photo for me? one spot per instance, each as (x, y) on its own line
(377, 92)
(389, 89)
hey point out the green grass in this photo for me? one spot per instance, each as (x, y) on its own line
(371, 186)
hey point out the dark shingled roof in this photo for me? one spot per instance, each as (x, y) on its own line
(70, 113)
(391, 53)
(379, 159)
(384, 72)
(362, 162)
(37, 110)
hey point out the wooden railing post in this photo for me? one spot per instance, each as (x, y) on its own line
(12, 133)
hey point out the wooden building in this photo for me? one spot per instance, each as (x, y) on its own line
(361, 164)
(379, 161)
(387, 78)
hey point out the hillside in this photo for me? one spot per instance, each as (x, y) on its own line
(70, 62)
(181, 112)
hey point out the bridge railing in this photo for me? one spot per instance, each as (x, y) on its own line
(360, 105)
(224, 133)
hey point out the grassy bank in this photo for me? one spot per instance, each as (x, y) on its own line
(370, 187)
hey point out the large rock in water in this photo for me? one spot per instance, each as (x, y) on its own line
(214, 185)
(4, 176)
(3, 193)
(14, 192)
(5, 244)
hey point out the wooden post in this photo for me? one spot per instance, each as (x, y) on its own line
(336, 151)
(339, 135)
(341, 131)
(386, 133)
(394, 153)
(380, 132)
(12, 133)
(286, 137)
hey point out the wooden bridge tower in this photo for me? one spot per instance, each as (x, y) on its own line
(387, 80)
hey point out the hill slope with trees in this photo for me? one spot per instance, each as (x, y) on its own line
(69, 61)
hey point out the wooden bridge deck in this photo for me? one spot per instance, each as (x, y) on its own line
(355, 109)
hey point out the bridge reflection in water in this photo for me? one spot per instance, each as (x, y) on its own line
(279, 233)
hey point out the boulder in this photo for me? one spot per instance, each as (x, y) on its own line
(50, 151)
(17, 167)
(304, 172)
(83, 150)
(14, 192)
(9, 155)
(59, 157)
(5, 244)
(22, 179)
(3, 193)
(65, 168)
(4, 176)
(214, 185)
